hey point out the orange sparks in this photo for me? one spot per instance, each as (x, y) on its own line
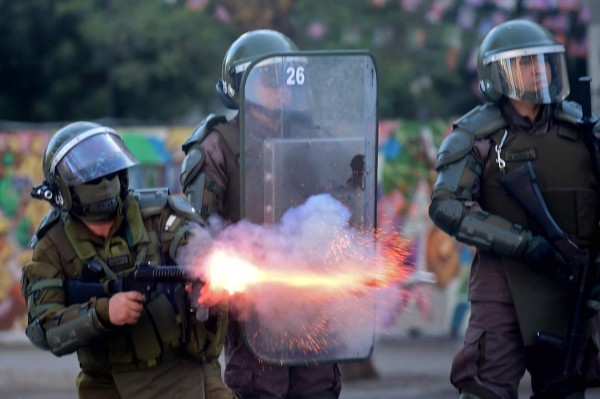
(305, 300)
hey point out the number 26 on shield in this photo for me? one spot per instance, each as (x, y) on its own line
(295, 76)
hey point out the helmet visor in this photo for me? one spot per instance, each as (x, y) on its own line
(277, 83)
(96, 156)
(534, 75)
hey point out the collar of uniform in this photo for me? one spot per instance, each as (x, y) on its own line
(80, 231)
(81, 238)
(520, 123)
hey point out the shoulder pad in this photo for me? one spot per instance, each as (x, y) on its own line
(203, 128)
(569, 111)
(151, 200)
(454, 147)
(183, 207)
(190, 166)
(48, 221)
(481, 121)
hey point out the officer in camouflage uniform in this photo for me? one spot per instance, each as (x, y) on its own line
(129, 345)
(211, 180)
(516, 284)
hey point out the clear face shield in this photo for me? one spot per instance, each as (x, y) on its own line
(93, 157)
(537, 74)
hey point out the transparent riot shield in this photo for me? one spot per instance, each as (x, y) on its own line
(309, 126)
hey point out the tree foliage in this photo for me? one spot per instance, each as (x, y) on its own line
(158, 60)
(69, 59)
(425, 50)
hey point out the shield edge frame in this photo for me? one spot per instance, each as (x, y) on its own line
(311, 53)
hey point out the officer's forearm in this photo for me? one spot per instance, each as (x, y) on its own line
(480, 229)
(72, 335)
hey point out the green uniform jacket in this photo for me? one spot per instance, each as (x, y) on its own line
(151, 231)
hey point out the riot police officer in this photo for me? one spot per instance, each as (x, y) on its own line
(211, 180)
(520, 289)
(97, 233)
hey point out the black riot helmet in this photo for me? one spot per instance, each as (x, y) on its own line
(245, 49)
(522, 60)
(85, 170)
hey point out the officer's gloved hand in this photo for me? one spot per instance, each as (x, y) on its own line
(540, 255)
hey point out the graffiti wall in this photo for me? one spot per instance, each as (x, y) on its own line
(21, 153)
(407, 152)
(20, 166)
(436, 302)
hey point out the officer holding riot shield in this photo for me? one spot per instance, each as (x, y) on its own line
(525, 140)
(274, 154)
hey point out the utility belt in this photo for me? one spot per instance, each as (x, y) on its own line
(166, 356)
(91, 363)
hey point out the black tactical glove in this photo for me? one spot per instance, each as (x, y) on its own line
(537, 251)
(540, 255)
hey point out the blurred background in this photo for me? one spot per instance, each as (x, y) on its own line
(156, 61)
(149, 68)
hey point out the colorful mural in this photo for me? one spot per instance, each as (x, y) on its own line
(407, 152)
(437, 301)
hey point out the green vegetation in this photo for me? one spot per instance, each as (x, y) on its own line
(157, 61)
